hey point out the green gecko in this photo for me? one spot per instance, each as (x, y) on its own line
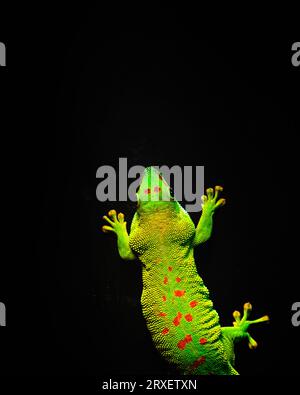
(179, 314)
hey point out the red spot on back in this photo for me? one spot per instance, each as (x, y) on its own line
(193, 303)
(177, 319)
(162, 314)
(181, 344)
(198, 362)
(157, 189)
(164, 298)
(147, 191)
(179, 292)
(188, 317)
(166, 280)
(170, 268)
(165, 331)
(202, 340)
(188, 338)
(178, 279)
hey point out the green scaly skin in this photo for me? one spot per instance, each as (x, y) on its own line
(179, 314)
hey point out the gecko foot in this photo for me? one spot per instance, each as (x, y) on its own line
(210, 202)
(116, 222)
(242, 324)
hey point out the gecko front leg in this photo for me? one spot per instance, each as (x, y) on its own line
(119, 227)
(210, 204)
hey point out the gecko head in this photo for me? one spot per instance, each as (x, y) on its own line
(153, 189)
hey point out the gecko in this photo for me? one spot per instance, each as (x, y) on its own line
(184, 326)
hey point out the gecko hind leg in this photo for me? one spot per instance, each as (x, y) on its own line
(239, 330)
(243, 324)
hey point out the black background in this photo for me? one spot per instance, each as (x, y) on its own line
(85, 86)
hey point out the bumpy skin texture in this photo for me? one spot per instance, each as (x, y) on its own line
(179, 314)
